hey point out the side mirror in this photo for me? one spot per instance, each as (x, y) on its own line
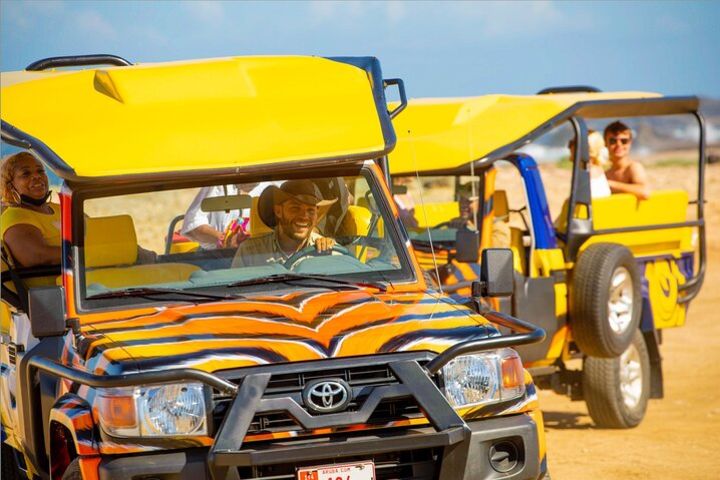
(496, 274)
(47, 311)
(467, 245)
(226, 203)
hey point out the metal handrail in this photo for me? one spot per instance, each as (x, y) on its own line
(77, 61)
(530, 334)
(132, 379)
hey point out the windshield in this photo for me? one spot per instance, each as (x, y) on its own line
(219, 241)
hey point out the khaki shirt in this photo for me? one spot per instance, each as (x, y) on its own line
(265, 250)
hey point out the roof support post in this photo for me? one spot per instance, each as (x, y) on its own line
(691, 288)
(579, 229)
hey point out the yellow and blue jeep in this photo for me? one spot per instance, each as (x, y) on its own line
(603, 278)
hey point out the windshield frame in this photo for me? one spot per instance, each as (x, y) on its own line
(365, 169)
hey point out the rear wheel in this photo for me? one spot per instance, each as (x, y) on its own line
(606, 300)
(616, 390)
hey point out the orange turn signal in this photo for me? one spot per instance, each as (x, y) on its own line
(118, 411)
(513, 375)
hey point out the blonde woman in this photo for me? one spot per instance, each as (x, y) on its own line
(599, 185)
(30, 223)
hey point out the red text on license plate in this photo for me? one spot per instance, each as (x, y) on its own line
(346, 471)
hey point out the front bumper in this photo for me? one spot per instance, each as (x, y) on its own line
(466, 453)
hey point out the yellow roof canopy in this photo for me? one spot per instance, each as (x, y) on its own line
(443, 135)
(205, 115)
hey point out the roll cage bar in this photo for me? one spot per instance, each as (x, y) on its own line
(579, 230)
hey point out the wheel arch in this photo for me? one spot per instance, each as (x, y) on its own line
(71, 427)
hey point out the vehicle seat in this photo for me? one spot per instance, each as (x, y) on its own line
(435, 213)
(258, 228)
(356, 223)
(111, 251)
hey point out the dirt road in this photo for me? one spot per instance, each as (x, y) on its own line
(680, 436)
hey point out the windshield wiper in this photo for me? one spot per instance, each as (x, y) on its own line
(148, 292)
(310, 280)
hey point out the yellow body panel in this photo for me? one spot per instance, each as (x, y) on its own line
(197, 115)
(664, 278)
(447, 133)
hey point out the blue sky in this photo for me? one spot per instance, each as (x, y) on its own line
(440, 49)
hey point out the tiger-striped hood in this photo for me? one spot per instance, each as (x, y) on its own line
(311, 324)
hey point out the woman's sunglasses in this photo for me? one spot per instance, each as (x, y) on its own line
(613, 141)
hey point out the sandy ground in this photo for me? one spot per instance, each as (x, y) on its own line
(680, 434)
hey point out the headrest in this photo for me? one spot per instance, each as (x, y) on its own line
(110, 241)
(500, 205)
(257, 226)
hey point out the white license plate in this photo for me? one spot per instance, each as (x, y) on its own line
(346, 471)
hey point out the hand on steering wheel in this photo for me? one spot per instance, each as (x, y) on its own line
(312, 251)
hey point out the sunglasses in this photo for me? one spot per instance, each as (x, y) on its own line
(613, 141)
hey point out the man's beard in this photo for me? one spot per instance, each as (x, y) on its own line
(289, 231)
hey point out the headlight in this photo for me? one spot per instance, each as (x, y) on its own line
(484, 378)
(153, 411)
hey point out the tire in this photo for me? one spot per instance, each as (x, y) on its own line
(605, 301)
(72, 472)
(617, 390)
(9, 470)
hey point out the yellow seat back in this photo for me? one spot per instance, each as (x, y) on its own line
(435, 213)
(110, 253)
(110, 241)
(257, 226)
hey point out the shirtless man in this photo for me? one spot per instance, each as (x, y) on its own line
(297, 207)
(624, 175)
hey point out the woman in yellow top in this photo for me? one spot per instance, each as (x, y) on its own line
(30, 224)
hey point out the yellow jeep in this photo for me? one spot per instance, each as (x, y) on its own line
(295, 363)
(603, 278)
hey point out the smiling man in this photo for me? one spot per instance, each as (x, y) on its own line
(624, 175)
(297, 207)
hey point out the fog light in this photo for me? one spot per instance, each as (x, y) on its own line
(504, 456)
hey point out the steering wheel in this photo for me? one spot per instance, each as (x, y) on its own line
(311, 251)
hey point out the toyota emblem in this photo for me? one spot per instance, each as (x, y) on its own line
(327, 396)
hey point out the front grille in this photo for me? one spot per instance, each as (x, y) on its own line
(292, 384)
(354, 376)
(413, 464)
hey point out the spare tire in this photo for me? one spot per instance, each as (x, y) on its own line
(605, 302)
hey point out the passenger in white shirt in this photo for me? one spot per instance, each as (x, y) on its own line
(210, 229)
